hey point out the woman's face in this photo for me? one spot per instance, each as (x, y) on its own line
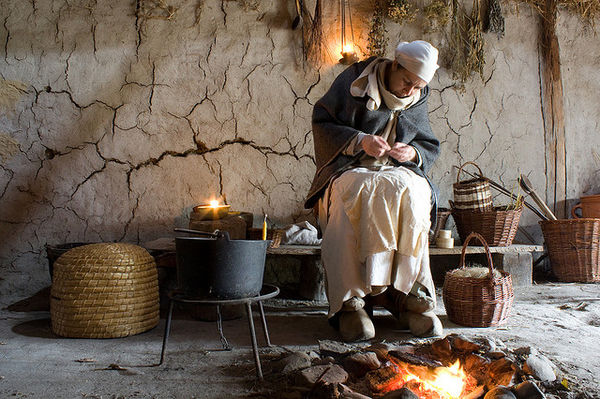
(403, 83)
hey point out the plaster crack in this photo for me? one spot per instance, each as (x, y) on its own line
(485, 144)
(68, 65)
(224, 12)
(312, 86)
(245, 54)
(7, 39)
(152, 87)
(11, 175)
(128, 223)
(138, 28)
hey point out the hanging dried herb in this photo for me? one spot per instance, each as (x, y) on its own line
(437, 14)
(248, 5)
(588, 10)
(154, 9)
(467, 39)
(401, 11)
(495, 18)
(377, 39)
(312, 35)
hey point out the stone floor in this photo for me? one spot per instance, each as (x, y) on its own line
(561, 320)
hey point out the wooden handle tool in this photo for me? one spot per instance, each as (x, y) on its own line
(526, 186)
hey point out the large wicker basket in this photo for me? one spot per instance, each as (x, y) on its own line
(478, 302)
(105, 290)
(574, 248)
(498, 227)
(473, 194)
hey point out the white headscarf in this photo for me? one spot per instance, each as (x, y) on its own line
(418, 57)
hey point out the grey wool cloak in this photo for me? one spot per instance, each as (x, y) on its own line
(338, 117)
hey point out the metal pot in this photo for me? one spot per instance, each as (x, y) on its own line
(218, 267)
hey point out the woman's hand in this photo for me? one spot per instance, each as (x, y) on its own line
(403, 152)
(375, 146)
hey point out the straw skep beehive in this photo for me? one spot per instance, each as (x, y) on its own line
(106, 290)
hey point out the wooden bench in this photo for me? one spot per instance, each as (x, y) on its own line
(515, 259)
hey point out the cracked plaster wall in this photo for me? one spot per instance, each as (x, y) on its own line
(126, 124)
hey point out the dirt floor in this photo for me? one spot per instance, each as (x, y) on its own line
(562, 321)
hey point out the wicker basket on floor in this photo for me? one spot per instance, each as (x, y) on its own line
(478, 302)
(574, 248)
(498, 227)
(106, 290)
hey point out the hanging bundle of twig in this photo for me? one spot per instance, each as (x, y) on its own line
(312, 35)
(495, 18)
(377, 39)
(467, 38)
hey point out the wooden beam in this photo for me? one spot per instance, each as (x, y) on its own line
(553, 112)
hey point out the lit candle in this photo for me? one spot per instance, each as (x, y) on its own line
(264, 228)
(214, 204)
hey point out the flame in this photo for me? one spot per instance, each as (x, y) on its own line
(449, 380)
(442, 382)
(214, 204)
(348, 48)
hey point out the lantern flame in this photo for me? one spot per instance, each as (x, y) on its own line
(348, 48)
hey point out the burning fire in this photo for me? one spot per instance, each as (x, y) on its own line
(214, 203)
(440, 382)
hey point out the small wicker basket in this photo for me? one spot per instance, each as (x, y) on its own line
(105, 290)
(474, 194)
(574, 248)
(442, 218)
(478, 302)
(498, 227)
(274, 235)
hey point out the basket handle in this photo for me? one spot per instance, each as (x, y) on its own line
(575, 215)
(487, 251)
(465, 164)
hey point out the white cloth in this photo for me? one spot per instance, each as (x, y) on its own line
(419, 57)
(376, 226)
(302, 233)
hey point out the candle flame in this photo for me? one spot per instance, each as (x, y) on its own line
(348, 48)
(214, 203)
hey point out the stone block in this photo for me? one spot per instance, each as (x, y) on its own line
(520, 267)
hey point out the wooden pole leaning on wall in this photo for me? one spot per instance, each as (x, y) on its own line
(553, 112)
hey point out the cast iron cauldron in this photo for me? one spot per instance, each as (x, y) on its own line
(218, 267)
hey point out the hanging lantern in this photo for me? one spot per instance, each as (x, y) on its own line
(348, 53)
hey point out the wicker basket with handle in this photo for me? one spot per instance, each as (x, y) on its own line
(473, 194)
(478, 302)
(498, 227)
(574, 248)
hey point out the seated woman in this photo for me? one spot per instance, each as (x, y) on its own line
(373, 147)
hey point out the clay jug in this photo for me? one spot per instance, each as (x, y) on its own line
(589, 205)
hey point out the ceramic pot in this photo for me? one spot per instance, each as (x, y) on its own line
(589, 205)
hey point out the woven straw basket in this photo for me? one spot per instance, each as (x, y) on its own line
(574, 248)
(474, 194)
(274, 235)
(478, 302)
(498, 227)
(104, 290)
